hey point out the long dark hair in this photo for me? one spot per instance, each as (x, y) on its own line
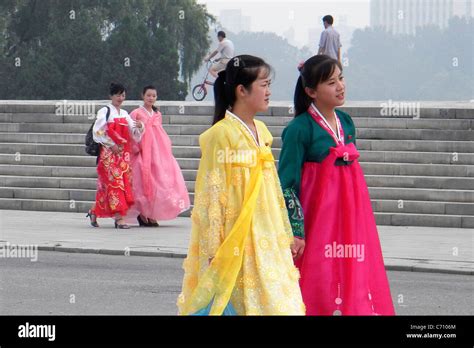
(146, 88)
(240, 70)
(315, 70)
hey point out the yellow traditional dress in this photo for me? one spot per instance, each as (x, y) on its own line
(240, 241)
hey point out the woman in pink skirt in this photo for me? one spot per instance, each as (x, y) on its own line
(158, 185)
(337, 248)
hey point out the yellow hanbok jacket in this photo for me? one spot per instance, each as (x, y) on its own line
(240, 241)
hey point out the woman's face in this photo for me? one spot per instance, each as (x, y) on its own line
(331, 92)
(117, 99)
(149, 98)
(258, 96)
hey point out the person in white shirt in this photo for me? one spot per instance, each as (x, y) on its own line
(114, 181)
(330, 43)
(226, 52)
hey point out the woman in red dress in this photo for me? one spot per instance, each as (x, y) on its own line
(114, 180)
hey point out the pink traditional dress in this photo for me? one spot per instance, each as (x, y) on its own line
(158, 185)
(114, 178)
(342, 268)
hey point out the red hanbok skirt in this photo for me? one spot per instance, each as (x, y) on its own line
(342, 268)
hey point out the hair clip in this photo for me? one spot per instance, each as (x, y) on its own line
(300, 65)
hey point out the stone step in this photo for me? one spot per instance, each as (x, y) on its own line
(383, 109)
(416, 145)
(193, 163)
(383, 134)
(394, 206)
(49, 123)
(47, 193)
(418, 194)
(360, 122)
(61, 177)
(415, 193)
(369, 168)
(48, 182)
(45, 205)
(406, 182)
(397, 219)
(454, 147)
(73, 128)
(407, 169)
(422, 207)
(433, 182)
(48, 160)
(362, 134)
(48, 171)
(414, 134)
(390, 146)
(385, 156)
(43, 149)
(427, 220)
(43, 138)
(440, 183)
(413, 169)
(362, 144)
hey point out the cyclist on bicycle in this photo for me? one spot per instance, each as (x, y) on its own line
(226, 51)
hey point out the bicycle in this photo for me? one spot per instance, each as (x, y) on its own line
(199, 91)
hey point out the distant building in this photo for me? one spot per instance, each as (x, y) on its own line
(404, 16)
(234, 21)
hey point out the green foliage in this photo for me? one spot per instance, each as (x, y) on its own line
(73, 49)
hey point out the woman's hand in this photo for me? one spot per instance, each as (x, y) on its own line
(297, 248)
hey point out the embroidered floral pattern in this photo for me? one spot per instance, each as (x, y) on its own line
(295, 212)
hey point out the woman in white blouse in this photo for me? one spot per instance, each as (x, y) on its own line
(114, 178)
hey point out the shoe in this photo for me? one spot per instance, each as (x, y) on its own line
(121, 226)
(142, 223)
(92, 216)
(153, 223)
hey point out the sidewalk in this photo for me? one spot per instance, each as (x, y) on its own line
(417, 249)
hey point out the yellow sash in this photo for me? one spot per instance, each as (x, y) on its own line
(219, 279)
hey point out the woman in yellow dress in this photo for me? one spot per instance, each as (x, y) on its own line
(240, 257)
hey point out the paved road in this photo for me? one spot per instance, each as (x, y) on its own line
(87, 284)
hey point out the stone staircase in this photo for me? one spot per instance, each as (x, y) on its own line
(420, 172)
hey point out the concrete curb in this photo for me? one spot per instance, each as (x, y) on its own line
(113, 252)
(391, 267)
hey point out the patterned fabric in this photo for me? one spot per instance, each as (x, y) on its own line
(295, 212)
(114, 180)
(267, 283)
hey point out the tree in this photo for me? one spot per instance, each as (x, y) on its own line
(72, 49)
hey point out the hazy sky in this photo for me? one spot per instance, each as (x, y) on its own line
(279, 15)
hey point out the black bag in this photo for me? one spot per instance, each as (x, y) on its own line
(93, 148)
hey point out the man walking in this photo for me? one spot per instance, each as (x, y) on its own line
(330, 44)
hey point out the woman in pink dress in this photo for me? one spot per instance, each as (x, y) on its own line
(336, 246)
(158, 185)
